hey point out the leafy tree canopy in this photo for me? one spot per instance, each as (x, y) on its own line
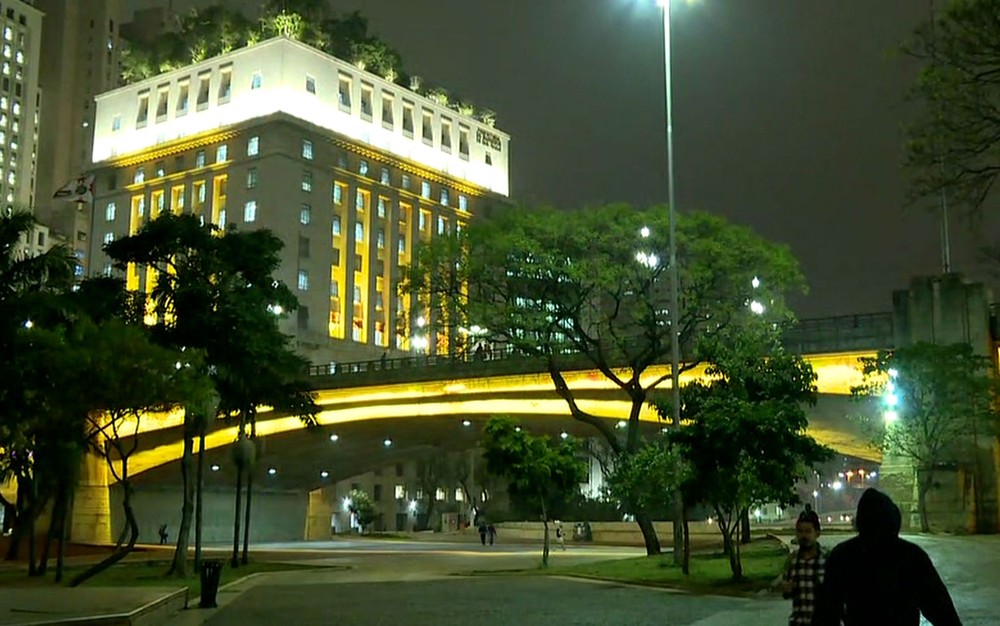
(954, 141)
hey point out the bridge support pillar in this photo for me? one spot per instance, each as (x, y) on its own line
(91, 517)
(319, 515)
(965, 493)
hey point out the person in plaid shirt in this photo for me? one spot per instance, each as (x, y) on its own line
(805, 570)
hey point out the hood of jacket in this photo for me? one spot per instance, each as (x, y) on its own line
(878, 517)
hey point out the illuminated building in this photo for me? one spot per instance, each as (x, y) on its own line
(79, 59)
(20, 96)
(350, 170)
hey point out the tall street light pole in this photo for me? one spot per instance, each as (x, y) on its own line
(675, 349)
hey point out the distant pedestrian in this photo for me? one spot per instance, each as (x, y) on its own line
(163, 534)
(878, 578)
(805, 570)
(491, 530)
(384, 359)
(480, 353)
(560, 535)
(482, 532)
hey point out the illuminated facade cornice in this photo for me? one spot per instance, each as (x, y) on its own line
(284, 76)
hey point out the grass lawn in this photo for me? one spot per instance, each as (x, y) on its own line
(145, 574)
(762, 560)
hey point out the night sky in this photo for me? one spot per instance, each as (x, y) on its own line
(787, 118)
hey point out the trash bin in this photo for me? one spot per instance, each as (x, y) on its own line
(211, 572)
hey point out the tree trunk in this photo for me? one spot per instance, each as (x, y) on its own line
(50, 535)
(680, 543)
(133, 535)
(198, 499)
(33, 510)
(745, 527)
(686, 561)
(246, 520)
(179, 565)
(735, 557)
(922, 488)
(648, 533)
(63, 537)
(235, 561)
(17, 530)
(545, 538)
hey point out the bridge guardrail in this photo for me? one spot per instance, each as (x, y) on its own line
(873, 331)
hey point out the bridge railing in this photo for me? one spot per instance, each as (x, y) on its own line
(872, 331)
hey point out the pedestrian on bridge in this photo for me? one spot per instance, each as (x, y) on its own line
(879, 579)
(482, 532)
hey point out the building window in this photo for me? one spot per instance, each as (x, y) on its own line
(109, 212)
(342, 161)
(256, 80)
(108, 238)
(204, 80)
(439, 494)
(305, 214)
(407, 119)
(381, 207)
(381, 239)
(363, 167)
(427, 127)
(160, 169)
(116, 123)
(384, 177)
(140, 175)
(489, 159)
(253, 146)
(425, 189)
(400, 492)
(307, 149)
(303, 317)
(222, 153)
(366, 101)
(405, 181)
(303, 280)
(250, 211)
(143, 113)
(446, 136)
(344, 93)
(182, 98)
(359, 232)
(304, 247)
(387, 119)
(463, 141)
(307, 181)
(463, 202)
(444, 196)
(338, 194)
(310, 85)
(442, 225)
(336, 226)
(226, 84)
(162, 103)
(199, 158)
(252, 178)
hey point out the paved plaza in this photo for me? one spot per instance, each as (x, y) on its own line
(421, 584)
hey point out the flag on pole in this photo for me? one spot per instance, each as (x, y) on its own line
(78, 190)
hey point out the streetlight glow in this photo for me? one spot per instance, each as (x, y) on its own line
(756, 308)
(387, 442)
(324, 474)
(890, 416)
(334, 437)
(29, 324)
(755, 282)
(837, 485)
(271, 471)
(644, 232)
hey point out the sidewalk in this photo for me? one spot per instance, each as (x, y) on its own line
(39, 606)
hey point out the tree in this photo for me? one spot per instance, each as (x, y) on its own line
(743, 435)
(954, 141)
(647, 479)
(590, 291)
(109, 356)
(362, 507)
(541, 472)
(216, 293)
(30, 288)
(927, 401)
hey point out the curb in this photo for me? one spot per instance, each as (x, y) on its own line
(152, 613)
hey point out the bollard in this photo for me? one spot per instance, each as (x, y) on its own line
(211, 572)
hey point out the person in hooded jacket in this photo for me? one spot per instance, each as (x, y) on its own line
(878, 578)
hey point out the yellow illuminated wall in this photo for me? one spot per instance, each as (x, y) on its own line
(338, 271)
(404, 247)
(359, 299)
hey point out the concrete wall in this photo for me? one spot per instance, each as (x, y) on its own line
(274, 516)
